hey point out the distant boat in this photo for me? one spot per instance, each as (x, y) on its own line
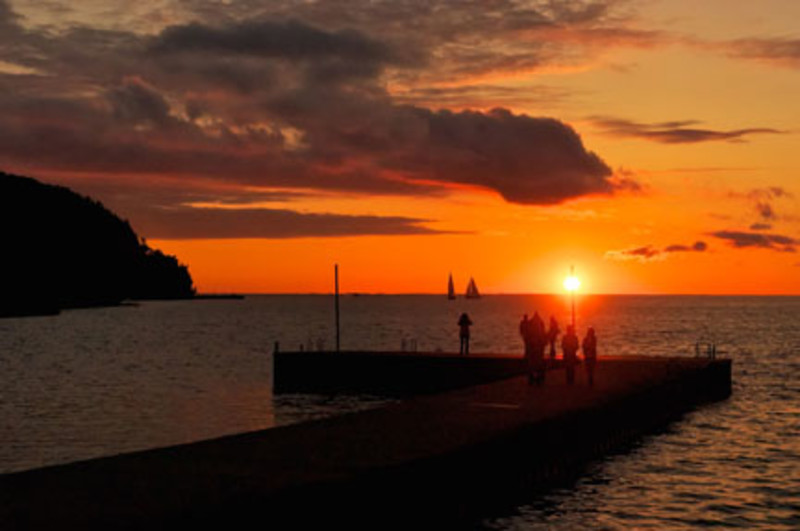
(451, 291)
(472, 290)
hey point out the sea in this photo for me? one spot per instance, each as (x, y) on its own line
(97, 382)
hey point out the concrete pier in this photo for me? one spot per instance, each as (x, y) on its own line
(394, 374)
(441, 460)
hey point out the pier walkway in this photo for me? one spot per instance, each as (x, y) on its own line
(436, 460)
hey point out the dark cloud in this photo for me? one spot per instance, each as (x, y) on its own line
(677, 132)
(776, 242)
(342, 141)
(293, 96)
(481, 96)
(128, 196)
(651, 253)
(215, 223)
(781, 51)
(698, 246)
(136, 102)
(770, 192)
(292, 40)
(760, 226)
(763, 202)
(466, 38)
(8, 18)
(765, 211)
(642, 253)
(527, 160)
(160, 209)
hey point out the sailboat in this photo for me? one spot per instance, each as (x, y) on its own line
(472, 290)
(451, 291)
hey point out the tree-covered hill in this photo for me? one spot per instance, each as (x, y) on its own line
(64, 250)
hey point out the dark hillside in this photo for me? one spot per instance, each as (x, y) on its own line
(64, 250)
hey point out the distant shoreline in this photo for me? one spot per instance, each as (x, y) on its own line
(49, 310)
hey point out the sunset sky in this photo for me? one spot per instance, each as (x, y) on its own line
(653, 144)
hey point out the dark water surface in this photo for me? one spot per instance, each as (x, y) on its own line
(97, 382)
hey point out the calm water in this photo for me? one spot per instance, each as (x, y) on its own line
(97, 382)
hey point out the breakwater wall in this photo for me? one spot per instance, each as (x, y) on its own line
(397, 374)
(444, 460)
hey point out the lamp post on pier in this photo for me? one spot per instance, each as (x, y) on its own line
(336, 301)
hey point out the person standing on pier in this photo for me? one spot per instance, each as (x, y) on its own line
(524, 332)
(463, 324)
(570, 345)
(552, 335)
(537, 337)
(589, 347)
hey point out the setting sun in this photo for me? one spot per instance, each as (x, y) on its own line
(572, 283)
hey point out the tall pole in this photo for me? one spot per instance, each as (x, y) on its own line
(336, 301)
(572, 293)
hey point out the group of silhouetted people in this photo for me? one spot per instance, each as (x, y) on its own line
(536, 338)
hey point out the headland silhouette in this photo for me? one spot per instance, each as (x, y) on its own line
(64, 250)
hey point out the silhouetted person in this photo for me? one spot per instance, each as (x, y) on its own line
(552, 336)
(463, 325)
(524, 326)
(590, 353)
(570, 345)
(525, 332)
(537, 340)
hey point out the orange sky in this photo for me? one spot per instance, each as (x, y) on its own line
(260, 164)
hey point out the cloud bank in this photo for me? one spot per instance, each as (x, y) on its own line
(291, 96)
(677, 132)
(741, 239)
(650, 253)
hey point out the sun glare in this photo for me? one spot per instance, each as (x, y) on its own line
(571, 283)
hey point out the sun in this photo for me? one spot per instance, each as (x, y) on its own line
(571, 283)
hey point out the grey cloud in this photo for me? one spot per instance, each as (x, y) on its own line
(527, 160)
(676, 132)
(781, 51)
(465, 38)
(776, 242)
(479, 96)
(765, 210)
(275, 122)
(763, 200)
(354, 146)
(444, 39)
(130, 194)
(292, 40)
(760, 226)
(698, 246)
(213, 223)
(770, 192)
(134, 101)
(650, 253)
(645, 253)
(7, 17)
(164, 210)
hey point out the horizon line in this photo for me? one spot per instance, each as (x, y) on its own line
(494, 294)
